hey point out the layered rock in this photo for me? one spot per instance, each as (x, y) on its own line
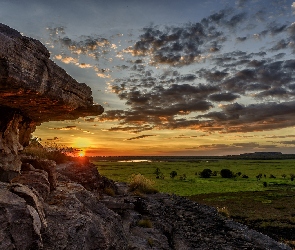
(33, 89)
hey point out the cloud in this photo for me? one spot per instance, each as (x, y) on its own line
(139, 137)
(132, 129)
(255, 117)
(287, 142)
(66, 128)
(187, 44)
(67, 59)
(223, 97)
(179, 76)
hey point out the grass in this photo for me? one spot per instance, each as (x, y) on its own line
(193, 184)
(266, 204)
(141, 184)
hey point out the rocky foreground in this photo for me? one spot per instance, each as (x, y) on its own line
(64, 206)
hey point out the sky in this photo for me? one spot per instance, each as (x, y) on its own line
(191, 77)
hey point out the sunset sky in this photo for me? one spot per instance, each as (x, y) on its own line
(191, 77)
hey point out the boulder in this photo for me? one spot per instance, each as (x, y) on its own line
(43, 164)
(86, 174)
(20, 222)
(37, 180)
(77, 220)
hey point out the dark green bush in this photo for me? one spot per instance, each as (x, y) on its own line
(173, 174)
(206, 173)
(226, 173)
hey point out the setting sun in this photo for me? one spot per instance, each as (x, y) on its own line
(82, 154)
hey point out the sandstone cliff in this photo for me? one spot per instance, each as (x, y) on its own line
(33, 89)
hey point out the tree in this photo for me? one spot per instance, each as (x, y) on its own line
(226, 173)
(173, 174)
(158, 173)
(206, 173)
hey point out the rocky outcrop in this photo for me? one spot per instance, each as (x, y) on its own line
(33, 89)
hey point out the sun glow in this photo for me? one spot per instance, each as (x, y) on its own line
(82, 153)
(82, 142)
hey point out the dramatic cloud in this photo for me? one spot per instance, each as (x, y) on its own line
(191, 43)
(232, 71)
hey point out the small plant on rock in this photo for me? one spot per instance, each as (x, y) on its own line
(109, 191)
(145, 223)
(223, 211)
(142, 184)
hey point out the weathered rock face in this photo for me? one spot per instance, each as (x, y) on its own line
(33, 89)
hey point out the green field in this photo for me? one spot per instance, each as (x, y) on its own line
(193, 184)
(266, 205)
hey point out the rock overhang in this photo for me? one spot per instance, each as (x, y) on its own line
(33, 84)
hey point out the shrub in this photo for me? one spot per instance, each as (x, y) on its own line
(284, 176)
(226, 173)
(141, 184)
(145, 223)
(158, 174)
(49, 151)
(239, 173)
(173, 174)
(292, 176)
(265, 184)
(272, 176)
(245, 176)
(206, 173)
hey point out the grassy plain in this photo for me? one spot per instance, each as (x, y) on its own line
(193, 184)
(266, 205)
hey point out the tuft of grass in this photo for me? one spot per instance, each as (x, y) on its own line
(223, 211)
(109, 191)
(150, 242)
(145, 223)
(142, 184)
